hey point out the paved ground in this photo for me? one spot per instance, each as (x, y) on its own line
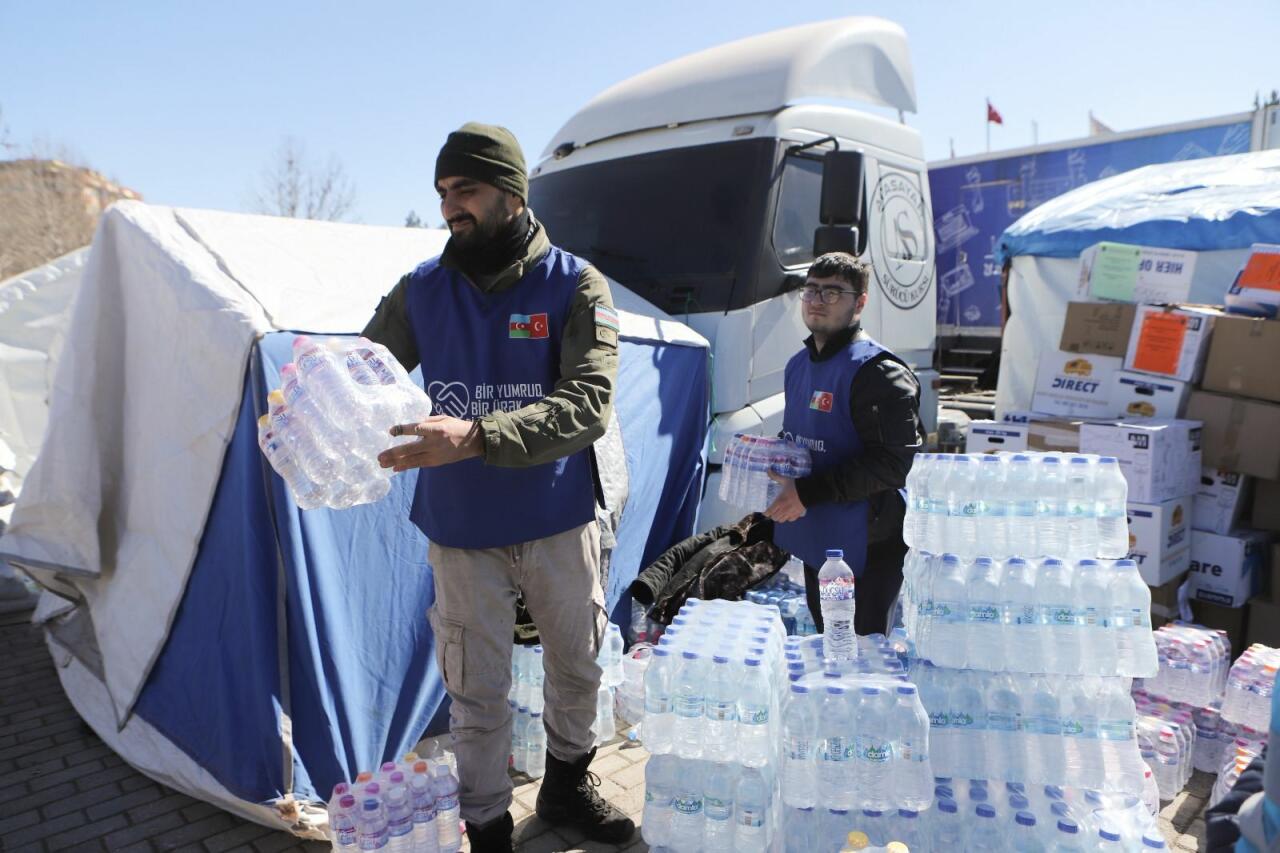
(61, 788)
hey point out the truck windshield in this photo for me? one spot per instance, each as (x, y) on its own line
(677, 226)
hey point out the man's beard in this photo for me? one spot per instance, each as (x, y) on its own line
(482, 231)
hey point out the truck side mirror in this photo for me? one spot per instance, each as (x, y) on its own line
(840, 207)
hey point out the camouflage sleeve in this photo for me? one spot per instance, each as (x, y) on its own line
(576, 412)
(390, 326)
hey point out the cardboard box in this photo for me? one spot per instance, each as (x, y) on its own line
(1220, 501)
(1243, 357)
(1097, 328)
(1232, 620)
(1074, 385)
(1160, 459)
(1138, 395)
(1227, 570)
(1239, 434)
(1264, 623)
(1266, 505)
(1128, 273)
(1170, 342)
(1159, 539)
(1258, 282)
(1164, 598)
(995, 436)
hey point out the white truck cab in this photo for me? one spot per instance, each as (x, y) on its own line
(700, 186)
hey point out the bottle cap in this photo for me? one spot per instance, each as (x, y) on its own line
(347, 801)
(364, 776)
(288, 371)
(689, 655)
(1153, 842)
(835, 690)
(370, 804)
(420, 767)
(896, 847)
(1068, 825)
(873, 813)
(409, 757)
(752, 661)
(835, 554)
(1108, 460)
(1079, 460)
(397, 778)
(1018, 803)
(907, 690)
(1108, 834)
(799, 688)
(340, 789)
(948, 806)
(984, 810)
(275, 397)
(661, 652)
(720, 659)
(857, 840)
(871, 691)
(1026, 819)
(1021, 457)
(1049, 460)
(991, 458)
(909, 814)
(373, 789)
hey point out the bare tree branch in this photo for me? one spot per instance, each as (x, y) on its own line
(290, 187)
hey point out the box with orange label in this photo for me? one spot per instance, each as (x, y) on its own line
(1160, 539)
(1074, 385)
(1258, 281)
(1170, 342)
(1139, 395)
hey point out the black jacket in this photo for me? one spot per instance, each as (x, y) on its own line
(721, 563)
(885, 405)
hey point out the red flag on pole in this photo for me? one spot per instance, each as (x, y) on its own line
(993, 116)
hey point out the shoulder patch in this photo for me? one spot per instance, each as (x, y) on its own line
(607, 325)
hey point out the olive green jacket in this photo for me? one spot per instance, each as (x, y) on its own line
(576, 412)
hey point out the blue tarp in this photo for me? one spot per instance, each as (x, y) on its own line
(361, 684)
(1201, 205)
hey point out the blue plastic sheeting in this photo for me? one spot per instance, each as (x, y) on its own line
(1200, 205)
(362, 682)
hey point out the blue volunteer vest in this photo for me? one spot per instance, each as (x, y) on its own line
(817, 415)
(486, 352)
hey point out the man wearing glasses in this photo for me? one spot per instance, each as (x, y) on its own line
(856, 406)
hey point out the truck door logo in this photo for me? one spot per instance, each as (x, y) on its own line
(899, 240)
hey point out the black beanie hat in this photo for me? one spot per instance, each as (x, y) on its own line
(484, 152)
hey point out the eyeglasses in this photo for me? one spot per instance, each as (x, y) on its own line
(829, 295)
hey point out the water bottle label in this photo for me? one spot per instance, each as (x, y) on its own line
(799, 748)
(872, 749)
(689, 707)
(1043, 725)
(717, 809)
(984, 613)
(939, 720)
(722, 712)
(346, 835)
(836, 589)
(425, 814)
(907, 751)
(964, 720)
(1058, 614)
(1025, 615)
(1024, 509)
(925, 609)
(1118, 730)
(1079, 510)
(447, 802)
(308, 361)
(691, 805)
(1119, 618)
(655, 703)
(1139, 618)
(949, 612)
(750, 818)
(837, 749)
(971, 509)
(1091, 617)
(1072, 727)
(1001, 722)
(754, 715)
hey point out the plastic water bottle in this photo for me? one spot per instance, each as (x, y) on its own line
(1080, 734)
(835, 761)
(873, 750)
(1051, 528)
(1022, 635)
(1025, 837)
(947, 831)
(835, 590)
(718, 808)
(1081, 509)
(755, 729)
(445, 786)
(984, 623)
(1020, 486)
(536, 747)
(371, 825)
(751, 812)
(800, 733)
(399, 816)
(1005, 750)
(1068, 838)
(936, 523)
(1112, 492)
(426, 837)
(689, 703)
(964, 507)
(909, 829)
(993, 524)
(914, 524)
(1092, 604)
(659, 783)
(686, 806)
(519, 738)
(343, 829)
(912, 773)
(1058, 617)
(968, 722)
(947, 634)
(721, 711)
(983, 831)
(1043, 729)
(1130, 621)
(657, 728)
(306, 493)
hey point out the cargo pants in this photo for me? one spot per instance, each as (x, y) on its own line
(473, 619)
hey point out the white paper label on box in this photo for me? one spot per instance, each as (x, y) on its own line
(1136, 395)
(1074, 385)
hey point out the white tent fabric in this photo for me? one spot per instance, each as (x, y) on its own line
(173, 300)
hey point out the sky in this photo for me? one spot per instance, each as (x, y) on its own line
(187, 102)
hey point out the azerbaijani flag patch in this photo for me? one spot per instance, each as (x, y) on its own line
(821, 401)
(532, 326)
(607, 317)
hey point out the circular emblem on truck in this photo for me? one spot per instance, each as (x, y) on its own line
(899, 243)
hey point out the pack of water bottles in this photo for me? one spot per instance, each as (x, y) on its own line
(1249, 685)
(1024, 504)
(1169, 739)
(407, 806)
(978, 814)
(714, 686)
(1237, 756)
(1084, 617)
(1194, 661)
(748, 460)
(331, 417)
(780, 592)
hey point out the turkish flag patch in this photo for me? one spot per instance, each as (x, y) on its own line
(821, 401)
(531, 326)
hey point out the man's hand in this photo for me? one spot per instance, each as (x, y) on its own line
(441, 440)
(787, 506)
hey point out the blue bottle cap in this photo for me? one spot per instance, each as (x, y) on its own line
(1021, 457)
(835, 690)
(873, 813)
(720, 659)
(1079, 460)
(838, 811)
(990, 457)
(871, 691)
(1026, 819)
(835, 554)
(1017, 802)
(661, 652)
(1108, 834)
(1049, 460)
(906, 690)
(908, 814)
(948, 806)
(1060, 808)
(984, 810)
(1152, 842)
(752, 661)
(1068, 825)
(689, 655)
(799, 688)
(1109, 460)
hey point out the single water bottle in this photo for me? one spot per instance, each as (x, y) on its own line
(1058, 617)
(963, 507)
(689, 703)
(984, 621)
(371, 825)
(399, 816)
(1051, 528)
(535, 747)
(835, 591)
(917, 501)
(1069, 838)
(1005, 750)
(1081, 509)
(936, 519)
(343, 829)
(686, 806)
(947, 831)
(993, 524)
(1112, 491)
(968, 724)
(657, 729)
(835, 765)
(1043, 729)
(721, 711)
(755, 730)
(445, 786)
(1025, 837)
(984, 831)
(718, 808)
(1130, 623)
(1020, 486)
(659, 782)
(1092, 602)
(426, 837)
(912, 773)
(873, 750)
(800, 732)
(948, 634)
(1022, 636)
(305, 492)
(751, 812)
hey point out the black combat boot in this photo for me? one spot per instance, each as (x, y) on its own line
(492, 837)
(568, 798)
